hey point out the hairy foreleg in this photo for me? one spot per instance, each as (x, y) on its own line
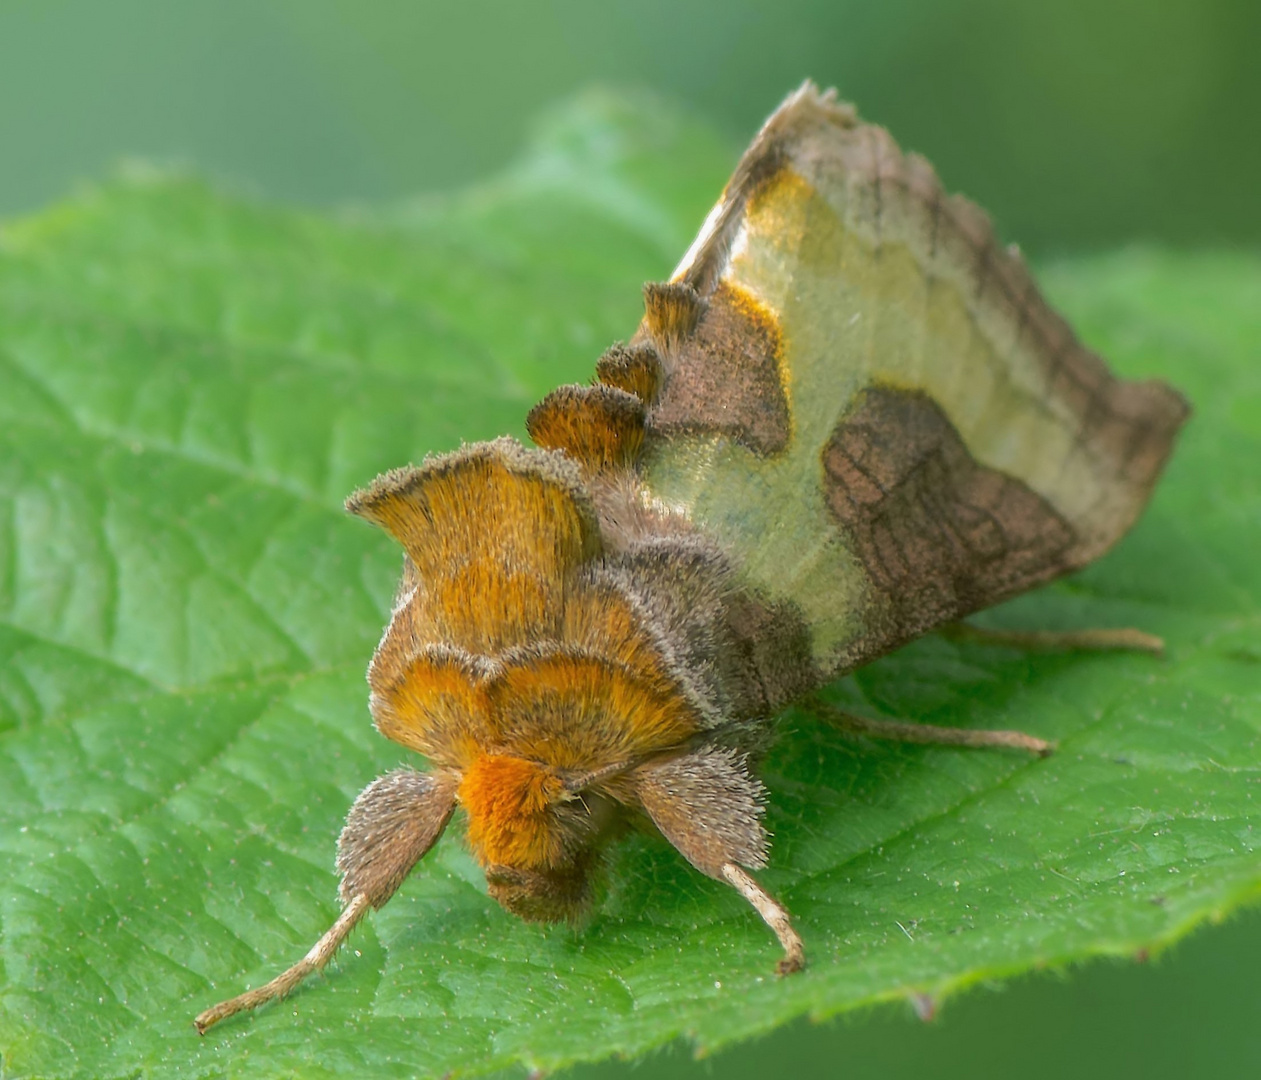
(395, 820)
(709, 807)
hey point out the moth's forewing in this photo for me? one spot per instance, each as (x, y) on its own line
(875, 411)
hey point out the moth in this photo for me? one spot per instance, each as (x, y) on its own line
(848, 419)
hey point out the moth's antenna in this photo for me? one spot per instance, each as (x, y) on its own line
(321, 953)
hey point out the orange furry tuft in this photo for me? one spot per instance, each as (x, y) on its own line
(600, 426)
(507, 799)
(603, 619)
(583, 712)
(437, 706)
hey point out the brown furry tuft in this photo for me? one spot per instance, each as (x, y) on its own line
(394, 822)
(671, 312)
(601, 427)
(633, 368)
(709, 806)
(381, 501)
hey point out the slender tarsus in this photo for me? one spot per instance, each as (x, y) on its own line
(321, 953)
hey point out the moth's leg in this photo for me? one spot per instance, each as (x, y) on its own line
(321, 953)
(1051, 641)
(902, 731)
(710, 808)
(773, 914)
(1099, 640)
(395, 820)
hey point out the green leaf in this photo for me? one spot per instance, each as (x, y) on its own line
(189, 385)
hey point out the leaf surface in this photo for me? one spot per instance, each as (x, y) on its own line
(190, 383)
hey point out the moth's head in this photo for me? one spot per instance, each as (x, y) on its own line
(534, 835)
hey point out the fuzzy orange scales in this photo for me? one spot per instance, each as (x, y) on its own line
(507, 799)
(600, 426)
(509, 656)
(501, 583)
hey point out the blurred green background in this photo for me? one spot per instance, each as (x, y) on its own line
(1081, 124)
